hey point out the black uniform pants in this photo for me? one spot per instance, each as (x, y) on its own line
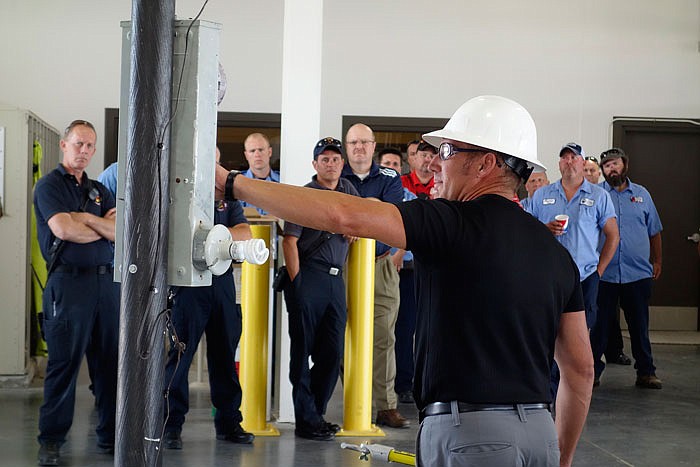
(317, 316)
(212, 310)
(81, 317)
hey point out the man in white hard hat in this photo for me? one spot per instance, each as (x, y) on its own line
(486, 334)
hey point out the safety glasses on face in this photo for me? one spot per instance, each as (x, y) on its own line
(448, 150)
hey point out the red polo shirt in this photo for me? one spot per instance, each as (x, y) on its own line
(411, 182)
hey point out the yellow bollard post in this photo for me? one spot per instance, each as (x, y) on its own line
(255, 303)
(359, 334)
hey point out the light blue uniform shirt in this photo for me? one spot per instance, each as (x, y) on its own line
(408, 195)
(525, 203)
(588, 211)
(109, 178)
(638, 220)
(274, 176)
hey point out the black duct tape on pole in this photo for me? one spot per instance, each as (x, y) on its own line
(144, 273)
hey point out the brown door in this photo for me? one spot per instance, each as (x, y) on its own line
(665, 158)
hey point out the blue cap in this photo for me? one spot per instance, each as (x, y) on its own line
(573, 147)
(327, 143)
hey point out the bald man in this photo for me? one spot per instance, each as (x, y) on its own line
(258, 152)
(384, 184)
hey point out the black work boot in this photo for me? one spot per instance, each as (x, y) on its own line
(49, 453)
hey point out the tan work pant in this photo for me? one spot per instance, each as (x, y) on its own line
(386, 310)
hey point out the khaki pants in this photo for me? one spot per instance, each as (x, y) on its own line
(386, 310)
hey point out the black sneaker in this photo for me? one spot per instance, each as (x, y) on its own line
(105, 448)
(321, 433)
(622, 359)
(237, 435)
(49, 453)
(406, 397)
(332, 427)
(172, 440)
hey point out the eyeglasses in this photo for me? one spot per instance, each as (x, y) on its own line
(592, 159)
(360, 142)
(447, 150)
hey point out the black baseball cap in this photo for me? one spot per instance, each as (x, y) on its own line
(425, 146)
(327, 143)
(613, 153)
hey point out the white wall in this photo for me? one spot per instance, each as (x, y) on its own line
(574, 65)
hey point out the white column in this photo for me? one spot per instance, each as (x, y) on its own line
(301, 122)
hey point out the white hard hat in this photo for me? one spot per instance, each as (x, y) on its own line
(495, 123)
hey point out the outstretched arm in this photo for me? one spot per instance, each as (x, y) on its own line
(320, 209)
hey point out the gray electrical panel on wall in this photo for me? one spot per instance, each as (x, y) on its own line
(192, 146)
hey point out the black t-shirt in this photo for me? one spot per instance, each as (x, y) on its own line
(492, 283)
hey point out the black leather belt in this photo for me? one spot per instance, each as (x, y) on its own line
(70, 269)
(323, 267)
(442, 408)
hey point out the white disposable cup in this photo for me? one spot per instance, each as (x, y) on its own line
(563, 219)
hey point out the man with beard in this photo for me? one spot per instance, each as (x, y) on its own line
(637, 261)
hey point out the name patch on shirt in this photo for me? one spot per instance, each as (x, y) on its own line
(637, 199)
(547, 201)
(587, 202)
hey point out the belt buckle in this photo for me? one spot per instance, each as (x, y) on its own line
(333, 271)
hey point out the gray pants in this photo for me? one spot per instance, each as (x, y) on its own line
(488, 439)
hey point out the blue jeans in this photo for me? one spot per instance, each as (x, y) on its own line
(633, 298)
(81, 317)
(212, 310)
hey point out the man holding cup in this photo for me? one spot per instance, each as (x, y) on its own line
(576, 212)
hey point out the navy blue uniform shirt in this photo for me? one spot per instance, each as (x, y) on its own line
(382, 183)
(332, 251)
(57, 192)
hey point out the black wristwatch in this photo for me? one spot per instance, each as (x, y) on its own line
(228, 189)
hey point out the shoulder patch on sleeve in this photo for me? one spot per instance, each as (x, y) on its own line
(388, 172)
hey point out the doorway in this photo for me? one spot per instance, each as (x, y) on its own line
(664, 157)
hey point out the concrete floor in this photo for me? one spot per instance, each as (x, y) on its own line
(626, 426)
